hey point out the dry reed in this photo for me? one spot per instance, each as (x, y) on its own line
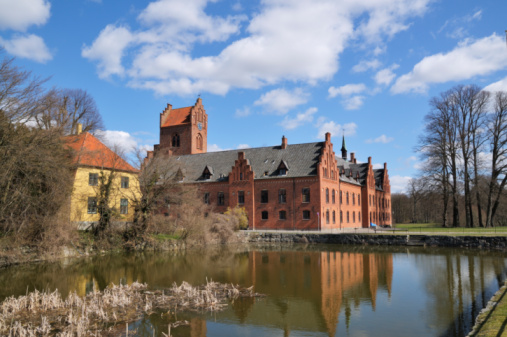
(100, 313)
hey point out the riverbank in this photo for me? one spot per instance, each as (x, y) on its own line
(461, 241)
(492, 321)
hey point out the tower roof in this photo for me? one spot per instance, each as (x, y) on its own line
(178, 116)
(344, 148)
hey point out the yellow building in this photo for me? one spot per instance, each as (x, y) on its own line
(94, 163)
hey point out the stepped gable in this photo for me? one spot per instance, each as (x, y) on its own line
(301, 160)
(178, 116)
(89, 151)
(379, 179)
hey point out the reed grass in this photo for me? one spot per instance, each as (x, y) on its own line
(101, 313)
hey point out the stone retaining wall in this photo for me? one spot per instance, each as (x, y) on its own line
(489, 242)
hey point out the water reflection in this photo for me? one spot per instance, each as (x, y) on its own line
(318, 291)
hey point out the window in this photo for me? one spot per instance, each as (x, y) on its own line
(341, 198)
(359, 199)
(306, 194)
(327, 195)
(353, 198)
(282, 215)
(334, 217)
(220, 199)
(124, 182)
(282, 172)
(369, 197)
(124, 206)
(241, 197)
(341, 216)
(347, 198)
(348, 218)
(282, 196)
(333, 196)
(327, 217)
(359, 216)
(325, 173)
(264, 215)
(241, 176)
(206, 174)
(353, 217)
(306, 215)
(199, 142)
(92, 205)
(264, 196)
(206, 198)
(93, 179)
(176, 140)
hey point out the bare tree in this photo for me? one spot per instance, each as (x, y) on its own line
(498, 140)
(19, 92)
(416, 191)
(65, 109)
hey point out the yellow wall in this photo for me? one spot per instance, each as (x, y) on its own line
(82, 190)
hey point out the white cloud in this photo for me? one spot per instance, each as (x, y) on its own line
(366, 65)
(108, 50)
(20, 14)
(242, 112)
(243, 146)
(281, 101)
(215, 148)
(346, 90)
(399, 183)
(470, 58)
(31, 47)
(386, 75)
(285, 40)
(300, 119)
(335, 129)
(381, 139)
(121, 140)
(377, 166)
(353, 103)
(497, 86)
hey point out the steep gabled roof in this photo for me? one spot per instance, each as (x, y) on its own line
(301, 160)
(89, 151)
(178, 116)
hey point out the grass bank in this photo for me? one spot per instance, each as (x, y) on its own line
(492, 321)
(438, 229)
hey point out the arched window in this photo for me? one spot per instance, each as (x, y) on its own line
(348, 218)
(327, 216)
(359, 216)
(341, 216)
(347, 198)
(353, 217)
(327, 196)
(199, 141)
(333, 196)
(341, 198)
(176, 140)
(334, 217)
(353, 198)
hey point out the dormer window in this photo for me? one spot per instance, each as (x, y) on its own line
(207, 173)
(283, 168)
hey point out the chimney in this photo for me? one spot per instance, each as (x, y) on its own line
(284, 143)
(353, 159)
(328, 137)
(369, 160)
(79, 128)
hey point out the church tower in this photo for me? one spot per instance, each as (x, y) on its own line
(183, 130)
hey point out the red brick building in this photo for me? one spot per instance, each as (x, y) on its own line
(299, 186)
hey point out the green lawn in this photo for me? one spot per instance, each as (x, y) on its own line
(436, 227)
(494, 322)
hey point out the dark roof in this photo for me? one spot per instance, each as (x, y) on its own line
(300, 159)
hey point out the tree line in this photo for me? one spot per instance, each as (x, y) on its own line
(464, 170)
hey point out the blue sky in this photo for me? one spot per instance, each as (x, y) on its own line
(265, 68)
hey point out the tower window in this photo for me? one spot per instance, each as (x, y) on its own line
(264, 215)
(306, 195)
(199, 142)
(241, 197)
(176, 140)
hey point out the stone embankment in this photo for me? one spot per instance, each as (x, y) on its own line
(488, 242)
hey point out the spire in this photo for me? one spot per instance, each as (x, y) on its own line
(344, 149)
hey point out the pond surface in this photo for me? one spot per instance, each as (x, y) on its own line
(326, 290)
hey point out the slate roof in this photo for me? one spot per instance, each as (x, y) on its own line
(301, 160)
(89, 151)
(178, 116)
